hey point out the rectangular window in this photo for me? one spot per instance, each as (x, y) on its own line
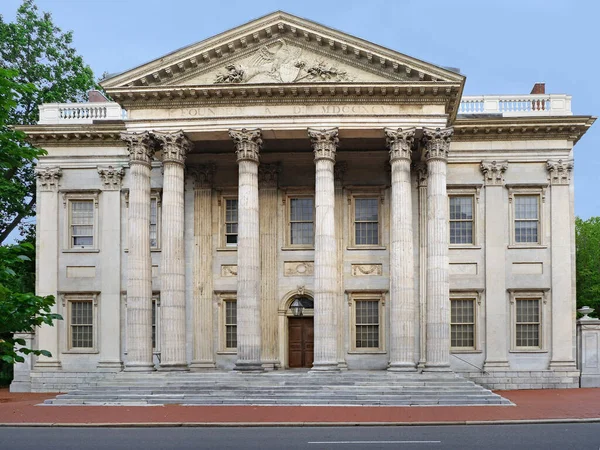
(366, 221)
(527, 323)
(82, 223)
(155, 323)
(302, 221)
(230, 324)
(153, 222)
(527, 218)
(461, 219)
(231, 222)
(367, 323)
(81, 324)
(462, 323)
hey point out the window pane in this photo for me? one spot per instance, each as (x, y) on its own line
(462, 319)
(526, 231)
(367, 323)
(231, 221)
(81, 324)
(461, 232)
(527, 323)
(461, 208)
(461, 219)
(230, 324)
(301, 233)
(154, 324)
(82, 223)
(366, 233)
(526, 206)
(301, 209)
(366, 209)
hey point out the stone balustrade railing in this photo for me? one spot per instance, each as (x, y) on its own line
(79, 113)
(517, 105)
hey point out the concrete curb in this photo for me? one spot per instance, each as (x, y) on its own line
(296, 424)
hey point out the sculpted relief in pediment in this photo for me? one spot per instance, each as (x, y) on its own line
(283, 62)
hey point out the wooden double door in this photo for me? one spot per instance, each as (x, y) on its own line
(301, 342)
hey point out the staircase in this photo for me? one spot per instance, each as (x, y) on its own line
(290, 387)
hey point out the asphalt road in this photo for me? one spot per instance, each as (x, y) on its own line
(580, 436)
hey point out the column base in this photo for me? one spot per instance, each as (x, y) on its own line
(110, 366)
(173, 367)
(48, 365)
(441, 367)
(343, 365)
(325, 367)
(248, 366)
(139, 367)
(402, 367)
(498, 365)
(270, 366)
(202, 365)
(567, 366)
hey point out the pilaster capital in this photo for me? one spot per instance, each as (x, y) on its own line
(437, 142)
(248, 143)
(48, 178)
(141, 147)
(324, 142)
(174, 146)
(268, 175)
(339, 171)
(399, 143)
(203, 175)
(559, 172)
(493, 172)
(421, 171)
(111, 177)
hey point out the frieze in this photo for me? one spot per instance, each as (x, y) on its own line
(298, 268)
(365, 270)
(229, 270)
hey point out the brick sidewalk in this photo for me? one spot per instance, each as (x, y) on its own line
(531, 405)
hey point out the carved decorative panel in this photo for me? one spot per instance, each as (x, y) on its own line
(298, 268)
(365, 270)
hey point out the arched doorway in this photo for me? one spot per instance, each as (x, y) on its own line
(296, 331)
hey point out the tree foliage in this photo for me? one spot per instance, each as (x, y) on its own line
(39, 65)
(19, 312)
(587, 237)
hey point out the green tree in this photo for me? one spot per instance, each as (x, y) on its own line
(587, 237)
(39, 56)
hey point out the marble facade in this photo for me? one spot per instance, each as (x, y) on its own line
(273, 113)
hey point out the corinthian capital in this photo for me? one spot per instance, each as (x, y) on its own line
(559, 172)
(399, 142)
(437, 142)
(493, 172)
(324, 142)
(268, 175)
(203, 175)
(48, 177)
(141, 146)
(174, 146)
(111, 177)
(247, 143)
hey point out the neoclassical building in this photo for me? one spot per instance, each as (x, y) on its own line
(284, 195)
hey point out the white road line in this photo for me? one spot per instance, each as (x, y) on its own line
(375, 442)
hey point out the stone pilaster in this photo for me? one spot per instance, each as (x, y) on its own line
(141, 148)
(48, 179)
(203, 353)
(248, 144)
(402, 295)
(563, 303)
(324, 144)
(437, 145)
(497, 326)
(109, 309)
(267, 199)
(421, 172)
(339, 172)
(174, 148)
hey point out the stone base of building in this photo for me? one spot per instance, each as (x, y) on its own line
(60, 381)
(524, 379)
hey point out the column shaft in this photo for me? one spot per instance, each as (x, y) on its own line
(326, 278)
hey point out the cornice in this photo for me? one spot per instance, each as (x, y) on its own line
(277, 25)
(74, 135)
(571, 128)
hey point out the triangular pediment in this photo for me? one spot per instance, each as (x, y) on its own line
(280, 48)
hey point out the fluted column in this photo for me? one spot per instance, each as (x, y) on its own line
(203, 352)
(174, 147)
(268, 175)
(339, 172)
(139, 263)
(421, 169)
(402, 292)
(437, 145)
(324, 144)
(48, 179)
(247, 144)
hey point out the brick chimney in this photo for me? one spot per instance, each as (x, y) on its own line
(539, 88)
(95, 96)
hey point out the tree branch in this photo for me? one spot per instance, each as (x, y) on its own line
(15, 222)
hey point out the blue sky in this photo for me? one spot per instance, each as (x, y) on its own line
(502, 46)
